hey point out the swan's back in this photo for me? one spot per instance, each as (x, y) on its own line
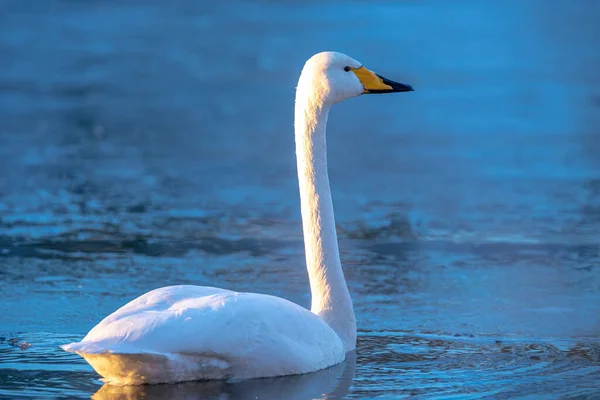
(182, 333)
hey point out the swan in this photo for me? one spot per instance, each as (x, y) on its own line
(184, 333)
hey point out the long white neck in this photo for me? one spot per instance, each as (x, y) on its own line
(330, 297)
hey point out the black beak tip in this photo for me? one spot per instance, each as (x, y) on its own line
(401, 87)
(397, 86)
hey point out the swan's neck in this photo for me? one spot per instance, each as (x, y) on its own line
(330, 297)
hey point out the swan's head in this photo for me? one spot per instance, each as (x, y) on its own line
(334, 77)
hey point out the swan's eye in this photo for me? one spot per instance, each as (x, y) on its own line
(347, 69)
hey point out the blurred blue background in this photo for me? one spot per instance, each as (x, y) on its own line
(151, 143)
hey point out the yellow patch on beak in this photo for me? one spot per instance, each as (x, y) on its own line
(373, 83)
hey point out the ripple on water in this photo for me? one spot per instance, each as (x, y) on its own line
(391, 364)
(43, 369)
(468, 327)
(469, 222)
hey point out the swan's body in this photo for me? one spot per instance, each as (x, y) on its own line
(181, 333)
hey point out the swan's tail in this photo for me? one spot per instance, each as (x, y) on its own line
(126, 365)
(89, 347)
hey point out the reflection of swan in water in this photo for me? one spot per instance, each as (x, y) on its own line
(182, 333)
(331, 383)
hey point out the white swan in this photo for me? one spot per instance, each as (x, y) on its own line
(182, 333)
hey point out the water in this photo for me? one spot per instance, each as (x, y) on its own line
(144, 145)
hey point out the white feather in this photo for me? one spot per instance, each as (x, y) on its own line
(182, 333)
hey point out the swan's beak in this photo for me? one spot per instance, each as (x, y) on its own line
(374, 83)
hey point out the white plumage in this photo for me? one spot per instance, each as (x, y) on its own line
(182, 333)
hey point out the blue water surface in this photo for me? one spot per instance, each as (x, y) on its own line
(144, 144)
